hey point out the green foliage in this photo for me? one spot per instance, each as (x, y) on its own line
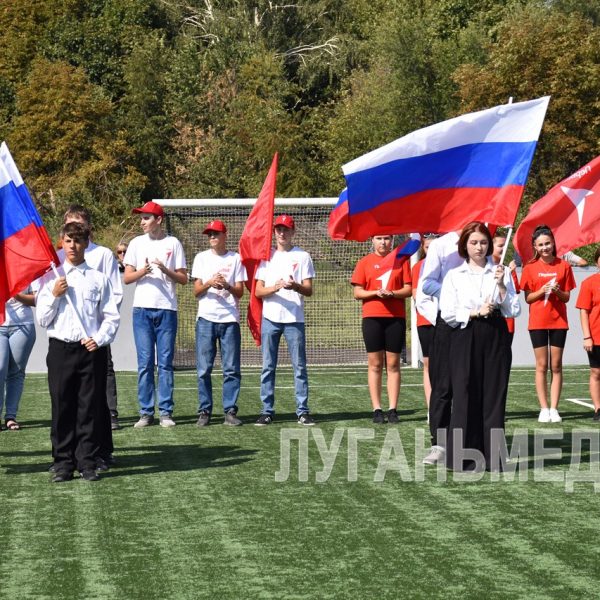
(113, 101)
(541, 52)
(64, 141)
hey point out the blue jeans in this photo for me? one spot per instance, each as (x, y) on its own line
(16, 343)
(228, 334)
(270, 338)
(154, 332)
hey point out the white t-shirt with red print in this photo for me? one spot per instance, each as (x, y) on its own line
(155, 290)
(285, 306)
(219, 306)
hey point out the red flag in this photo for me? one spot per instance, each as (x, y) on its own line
(25, 248)
(255, 244)
(571, 209)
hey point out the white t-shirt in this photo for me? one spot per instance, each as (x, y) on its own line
(155, 290)
(18, 313)
(219, 306)
(285, 306)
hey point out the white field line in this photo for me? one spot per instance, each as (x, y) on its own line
(580, 401)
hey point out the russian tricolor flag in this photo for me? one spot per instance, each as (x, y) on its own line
(26, 251)
(472, 167)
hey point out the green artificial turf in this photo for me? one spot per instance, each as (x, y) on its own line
(190, 513)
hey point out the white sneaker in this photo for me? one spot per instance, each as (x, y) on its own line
(166, 421)
(544, 416)
(436, 454)
(554, 416)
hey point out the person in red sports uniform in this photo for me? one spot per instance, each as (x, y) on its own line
(499, 241)
(547, 282)
(382, 293)
(588, 304)
(424, 327)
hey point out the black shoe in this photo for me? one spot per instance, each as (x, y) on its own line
(203, 419)
(114, 423)
(378, 416)
(62, 476)
(392, 416)
(102, 464)
(264, 420)
(89, 475)
(306, 419)
(596, 416)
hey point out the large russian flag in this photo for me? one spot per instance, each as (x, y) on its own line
(472, 167)
(26, 251)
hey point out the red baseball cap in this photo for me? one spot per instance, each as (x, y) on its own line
(286, 221)
(150, 208)
(215, 226)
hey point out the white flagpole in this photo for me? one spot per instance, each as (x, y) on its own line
(70, 301)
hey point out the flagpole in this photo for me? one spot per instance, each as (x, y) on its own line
(70, 301)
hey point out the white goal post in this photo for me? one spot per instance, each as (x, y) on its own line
(333, 319)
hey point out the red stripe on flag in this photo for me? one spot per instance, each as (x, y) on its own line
(437, 211)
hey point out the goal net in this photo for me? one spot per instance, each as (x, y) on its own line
(333, 317)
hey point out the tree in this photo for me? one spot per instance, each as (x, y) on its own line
(64, 141)
(543, 52)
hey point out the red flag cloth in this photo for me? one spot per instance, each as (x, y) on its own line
(26, 252)
(255, 244)
(571, 209)
(338, 218)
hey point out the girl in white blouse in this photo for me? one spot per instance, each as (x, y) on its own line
(475, 298)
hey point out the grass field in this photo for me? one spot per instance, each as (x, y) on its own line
(191, 513)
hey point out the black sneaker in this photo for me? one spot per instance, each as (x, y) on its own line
(378, 416)
(101, 464)
(231, 419)
(392, 416)
(62, 476)
(203, 419)
(306, 420)
(264, 420)
(596, 416)
(89, 475)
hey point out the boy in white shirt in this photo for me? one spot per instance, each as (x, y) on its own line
(282, 282)
(219, 285)
(156, 263)
(81, 316)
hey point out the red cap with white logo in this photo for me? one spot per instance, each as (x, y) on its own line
(286, 221)
(215, 225)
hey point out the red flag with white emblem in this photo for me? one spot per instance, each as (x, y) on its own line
(571, 209)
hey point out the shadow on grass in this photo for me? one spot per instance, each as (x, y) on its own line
(570, 450)
(583, 415)
(150, 459)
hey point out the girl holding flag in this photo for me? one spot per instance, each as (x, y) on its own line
(547, 282)
(476, 296)
(382, 290)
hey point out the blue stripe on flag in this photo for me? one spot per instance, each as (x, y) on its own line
(13, 217)
(485, 165)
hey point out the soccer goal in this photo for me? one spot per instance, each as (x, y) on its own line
(333, 317)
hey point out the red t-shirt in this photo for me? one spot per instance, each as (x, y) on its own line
(589, 298)
(369, 275)
(416, 271)
(537, 274)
